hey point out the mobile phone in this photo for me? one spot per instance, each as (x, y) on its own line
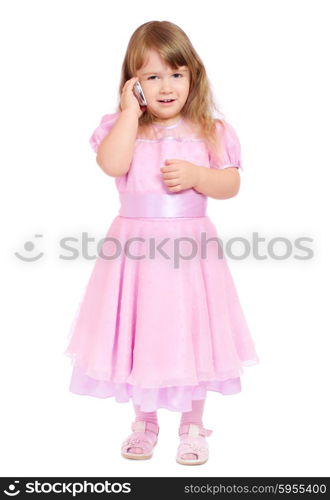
(137, 89)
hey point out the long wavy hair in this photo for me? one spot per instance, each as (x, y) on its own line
(175, 48)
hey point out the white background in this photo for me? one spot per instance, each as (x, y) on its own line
(268, 65)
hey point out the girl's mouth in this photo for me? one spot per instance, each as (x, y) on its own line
(166, 102)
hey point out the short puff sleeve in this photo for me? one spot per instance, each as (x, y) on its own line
(106, 124)
(229, 146)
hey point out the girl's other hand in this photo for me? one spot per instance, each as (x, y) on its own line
(128, 101)
(180, 174)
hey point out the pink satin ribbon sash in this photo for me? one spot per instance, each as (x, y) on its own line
(187, 203)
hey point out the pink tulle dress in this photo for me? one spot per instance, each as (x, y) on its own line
(160, 322)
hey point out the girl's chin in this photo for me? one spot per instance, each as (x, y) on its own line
(165, 113)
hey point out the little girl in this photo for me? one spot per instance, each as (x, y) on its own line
(160, 322)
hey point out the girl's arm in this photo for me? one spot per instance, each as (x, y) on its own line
(218, 184)
(221, 181)
(115, 152)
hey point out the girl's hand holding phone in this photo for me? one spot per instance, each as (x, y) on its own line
(128, 100)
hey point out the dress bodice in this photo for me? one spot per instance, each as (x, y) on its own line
(157, 143)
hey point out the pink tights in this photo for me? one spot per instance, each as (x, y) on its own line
(188, 417)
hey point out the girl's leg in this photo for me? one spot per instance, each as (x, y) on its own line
(193, 417)
(148, 417)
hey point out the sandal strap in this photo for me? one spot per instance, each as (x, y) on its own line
(137, 439)
(193, 444)
(196, 445)
(143, 425)
(194, 430)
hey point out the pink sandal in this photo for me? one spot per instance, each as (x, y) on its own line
(141, 440)
(193, 442)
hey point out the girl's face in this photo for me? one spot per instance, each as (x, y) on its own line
(160, 82)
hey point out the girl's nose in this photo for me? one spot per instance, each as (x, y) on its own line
(166, 85)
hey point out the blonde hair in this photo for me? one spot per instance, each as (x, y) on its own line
(175, 48)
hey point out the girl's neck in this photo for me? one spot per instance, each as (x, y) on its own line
(173, 124)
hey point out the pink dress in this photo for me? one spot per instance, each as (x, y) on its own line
(160, 322)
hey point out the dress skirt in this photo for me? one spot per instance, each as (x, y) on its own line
(159, 322)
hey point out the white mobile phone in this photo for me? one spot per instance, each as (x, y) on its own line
(139, 94)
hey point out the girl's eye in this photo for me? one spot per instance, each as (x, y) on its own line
(155, 76)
